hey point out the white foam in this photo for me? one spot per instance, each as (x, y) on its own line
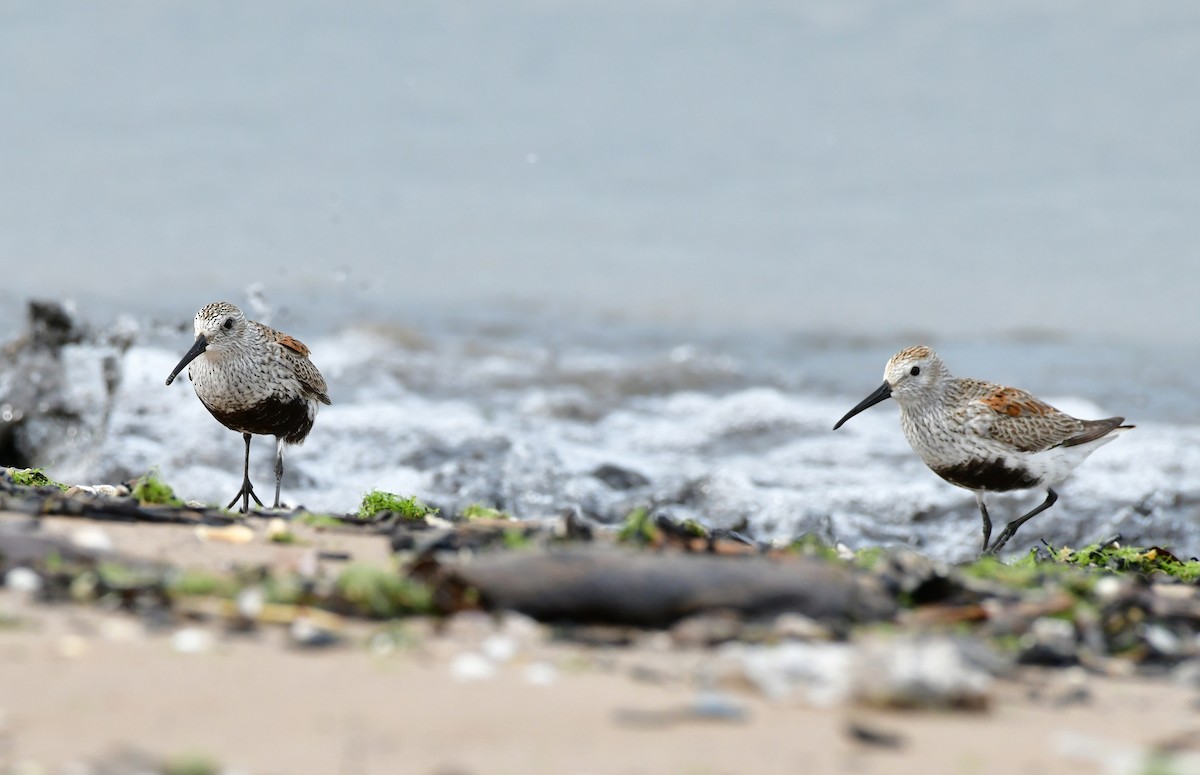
(526, 434)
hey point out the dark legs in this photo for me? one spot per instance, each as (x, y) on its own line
(987, 521)
(278, 468)
(247, 491)
(1015, 525)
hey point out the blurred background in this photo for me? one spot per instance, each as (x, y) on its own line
(517, 223)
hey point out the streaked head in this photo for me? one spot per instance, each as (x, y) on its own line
(910, 375)
(217, 326)
(219, 322)
(914, 372)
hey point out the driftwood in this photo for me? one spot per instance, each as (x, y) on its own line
(49, 501)
(612, 586)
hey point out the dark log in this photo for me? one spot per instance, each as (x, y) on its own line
(612, 586)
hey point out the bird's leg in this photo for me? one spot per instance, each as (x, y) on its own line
(987, 521)
(278, 468)
(247, 491)
(1015, 525)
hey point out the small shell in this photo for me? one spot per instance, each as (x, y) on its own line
(233, 534)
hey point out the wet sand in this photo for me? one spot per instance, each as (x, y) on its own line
(78, 682)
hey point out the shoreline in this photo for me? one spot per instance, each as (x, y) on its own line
(475, 692)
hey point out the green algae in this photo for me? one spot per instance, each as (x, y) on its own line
(379, 593)
(377, 501)
(516, 538)
(479, 511)
(199, 583)
(33, 477)
(1146, 561)
(149, 489)
(639, 528)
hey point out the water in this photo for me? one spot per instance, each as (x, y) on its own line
(733, 431)
(526, 241)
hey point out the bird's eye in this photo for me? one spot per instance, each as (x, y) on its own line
(915, 370)
(228, 323)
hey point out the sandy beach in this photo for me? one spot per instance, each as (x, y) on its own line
(81, 683)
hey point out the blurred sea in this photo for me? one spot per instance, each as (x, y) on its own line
(526, 241)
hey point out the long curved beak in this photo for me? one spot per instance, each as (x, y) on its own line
(200, 346)
(882, 393)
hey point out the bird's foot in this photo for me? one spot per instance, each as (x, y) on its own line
(244, 496)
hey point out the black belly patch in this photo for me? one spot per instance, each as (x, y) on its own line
(288, 419)
(992, 475)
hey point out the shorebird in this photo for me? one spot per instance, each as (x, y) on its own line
(985, 437)
(254, 380)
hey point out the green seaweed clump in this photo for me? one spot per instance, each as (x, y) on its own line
(809, 545)
(149, 489)
(1145, 561)
(369, 590)
(479, 511)
(639, 528)
(378, 501)
(198, 583)
(33, 477)
(517, 538)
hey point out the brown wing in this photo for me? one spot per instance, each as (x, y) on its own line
(1018, 419)
(296, 353)
(1016, 403)
(293, 344)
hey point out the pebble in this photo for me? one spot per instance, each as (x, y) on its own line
(821, 672)
(232, 534)
(1187, 673)
(871, 734)
(919, 672)
(1108, 588)
(540, 673)
(108, 490)
(250, 602)
(276, 528)
(717, 706)
(471, 666)
(21, 579)
(1051, 642)
(71, 646)
(1164, 642)
(916, 672)
(193, 640)
(306, 633)
(118, 629)
(92, 539)
(1075, 689)
(499, 648)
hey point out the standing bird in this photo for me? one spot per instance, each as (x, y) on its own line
(253, 379)
(985, 437)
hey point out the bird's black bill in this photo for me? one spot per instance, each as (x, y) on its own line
(200, 346)
(882, 393)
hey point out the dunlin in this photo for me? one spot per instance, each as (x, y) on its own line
(986, 437)
(254, 380)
